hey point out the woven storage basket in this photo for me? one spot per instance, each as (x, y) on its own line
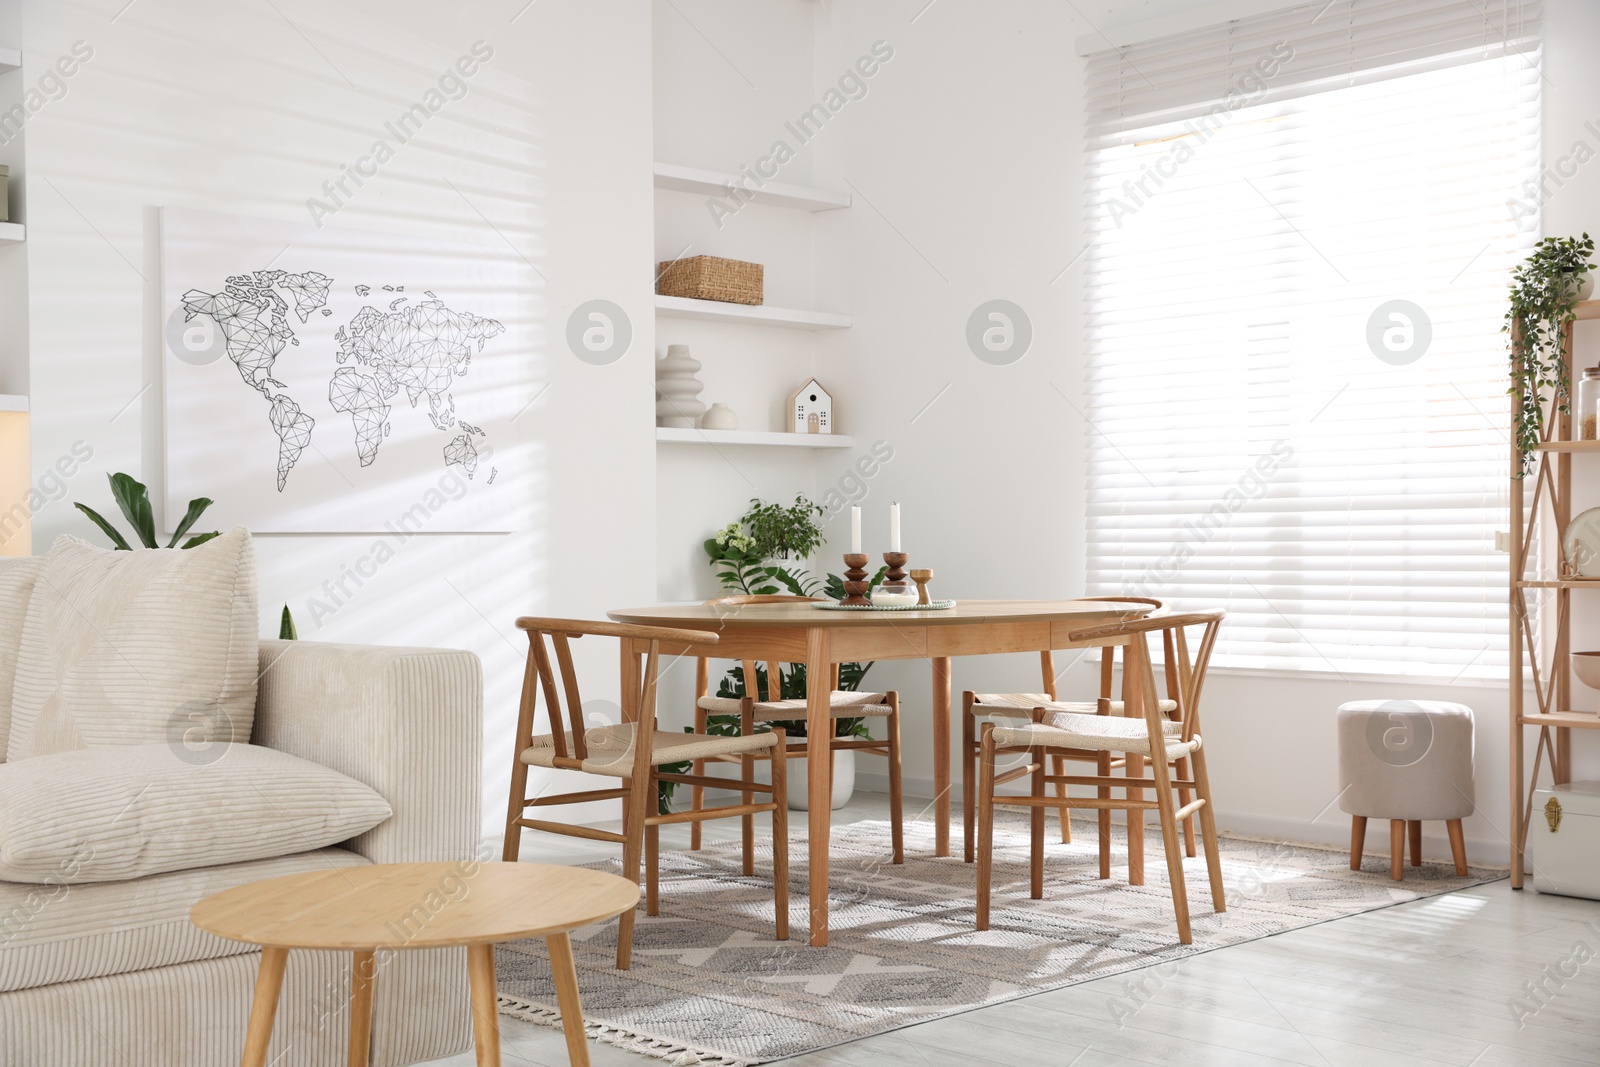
(731, 281)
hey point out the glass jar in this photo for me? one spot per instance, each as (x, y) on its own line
(1588, 403)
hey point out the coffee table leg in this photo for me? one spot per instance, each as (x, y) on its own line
(361, 975)
(565, 973)
(269, 983)
(485, 1004)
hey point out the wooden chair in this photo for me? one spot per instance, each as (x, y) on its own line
(757, 706)
(635, 756)
(1146, 732)
(1009, 708)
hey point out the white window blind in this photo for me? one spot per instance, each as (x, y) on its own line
(1263, 435)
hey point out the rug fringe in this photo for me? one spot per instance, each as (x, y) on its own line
(673, 1052)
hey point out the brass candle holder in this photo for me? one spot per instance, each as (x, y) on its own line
(856, 583)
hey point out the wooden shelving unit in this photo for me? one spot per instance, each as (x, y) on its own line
(671, 435)
(1550, 496)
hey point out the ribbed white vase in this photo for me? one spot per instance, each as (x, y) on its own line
(678, 390)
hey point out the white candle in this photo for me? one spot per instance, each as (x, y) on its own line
(894, 526)
(855, 528)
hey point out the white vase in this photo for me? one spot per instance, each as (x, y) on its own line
(678, 390)
(720, 417)
(844, 780)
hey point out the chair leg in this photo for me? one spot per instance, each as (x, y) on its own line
(639, 796)
(985, 824)
(1358, 840)
(1208, 830)
(1414, 828)
(516, 806)
(896, 797)
(1397, 849)
(1167, 807)
(697, 794)
(1185, 795)
(1133, 767)
(1458, 846)
(1103, 816)
(780, 837)
(1036, 826)
(747, 770)
(1065, 813)
(969, 757)
(652, 869)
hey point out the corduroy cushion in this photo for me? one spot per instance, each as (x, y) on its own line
(127, 648)
(16, 586)
(107, 814)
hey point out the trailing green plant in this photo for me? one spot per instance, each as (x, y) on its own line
(1544, 291)
(134, 500)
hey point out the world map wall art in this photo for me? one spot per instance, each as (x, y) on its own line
(337, 381)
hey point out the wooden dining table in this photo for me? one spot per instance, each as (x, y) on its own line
(821, 638)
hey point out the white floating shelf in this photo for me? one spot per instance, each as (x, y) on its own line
(759, 314)
(20, 403)
(13, 231)
(671, 435)
(10, 59)
(777, 194)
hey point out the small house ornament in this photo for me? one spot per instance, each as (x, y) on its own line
(811, 409)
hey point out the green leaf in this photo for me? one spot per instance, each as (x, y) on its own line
(201, 539)
(195, 508)
(286, 630)
(105, 527)
(134, 500)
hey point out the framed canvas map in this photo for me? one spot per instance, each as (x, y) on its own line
(337, 381)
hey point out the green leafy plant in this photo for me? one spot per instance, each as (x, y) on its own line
(134, 500)
(791, 686)
(1544, 291)
(286, 630)
(742, 550)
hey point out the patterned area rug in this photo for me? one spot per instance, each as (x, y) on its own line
(709, 985)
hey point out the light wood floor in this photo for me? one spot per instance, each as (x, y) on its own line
(1429, 982)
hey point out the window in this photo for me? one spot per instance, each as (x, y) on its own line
(1301, 226)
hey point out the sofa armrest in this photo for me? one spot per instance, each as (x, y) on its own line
(406, 721)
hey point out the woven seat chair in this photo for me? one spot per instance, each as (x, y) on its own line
(634, 755)
(758, 707)
(1144, 734)
(1012, 708)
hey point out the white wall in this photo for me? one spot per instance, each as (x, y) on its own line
(241, 109)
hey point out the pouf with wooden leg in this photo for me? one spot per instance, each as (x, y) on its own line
(372, 912)
(1408, 761)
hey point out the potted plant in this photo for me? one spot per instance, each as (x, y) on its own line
(1544, 290)
(762, 553)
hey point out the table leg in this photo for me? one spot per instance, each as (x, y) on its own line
(819, 733)
(269, 983)
(362, 969)
(485, 1004)
(941, 756)
(565, 973)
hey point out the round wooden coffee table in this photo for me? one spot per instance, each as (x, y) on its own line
(392, 907)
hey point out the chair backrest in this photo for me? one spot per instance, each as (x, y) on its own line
(560, 679)
(752, 680)
(1185, 668)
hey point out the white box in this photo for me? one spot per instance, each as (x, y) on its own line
(1564, 840)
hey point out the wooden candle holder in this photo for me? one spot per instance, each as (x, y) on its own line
(856, 583)
(897, 567)
(922, 578)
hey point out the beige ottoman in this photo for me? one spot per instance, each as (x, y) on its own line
(1407, 761)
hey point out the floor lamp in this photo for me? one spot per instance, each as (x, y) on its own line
(16, 535)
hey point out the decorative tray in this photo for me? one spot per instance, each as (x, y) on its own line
(936, 605)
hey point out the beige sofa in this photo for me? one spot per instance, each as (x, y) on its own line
(114, 973)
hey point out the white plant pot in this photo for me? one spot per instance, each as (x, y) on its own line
(844, 780)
